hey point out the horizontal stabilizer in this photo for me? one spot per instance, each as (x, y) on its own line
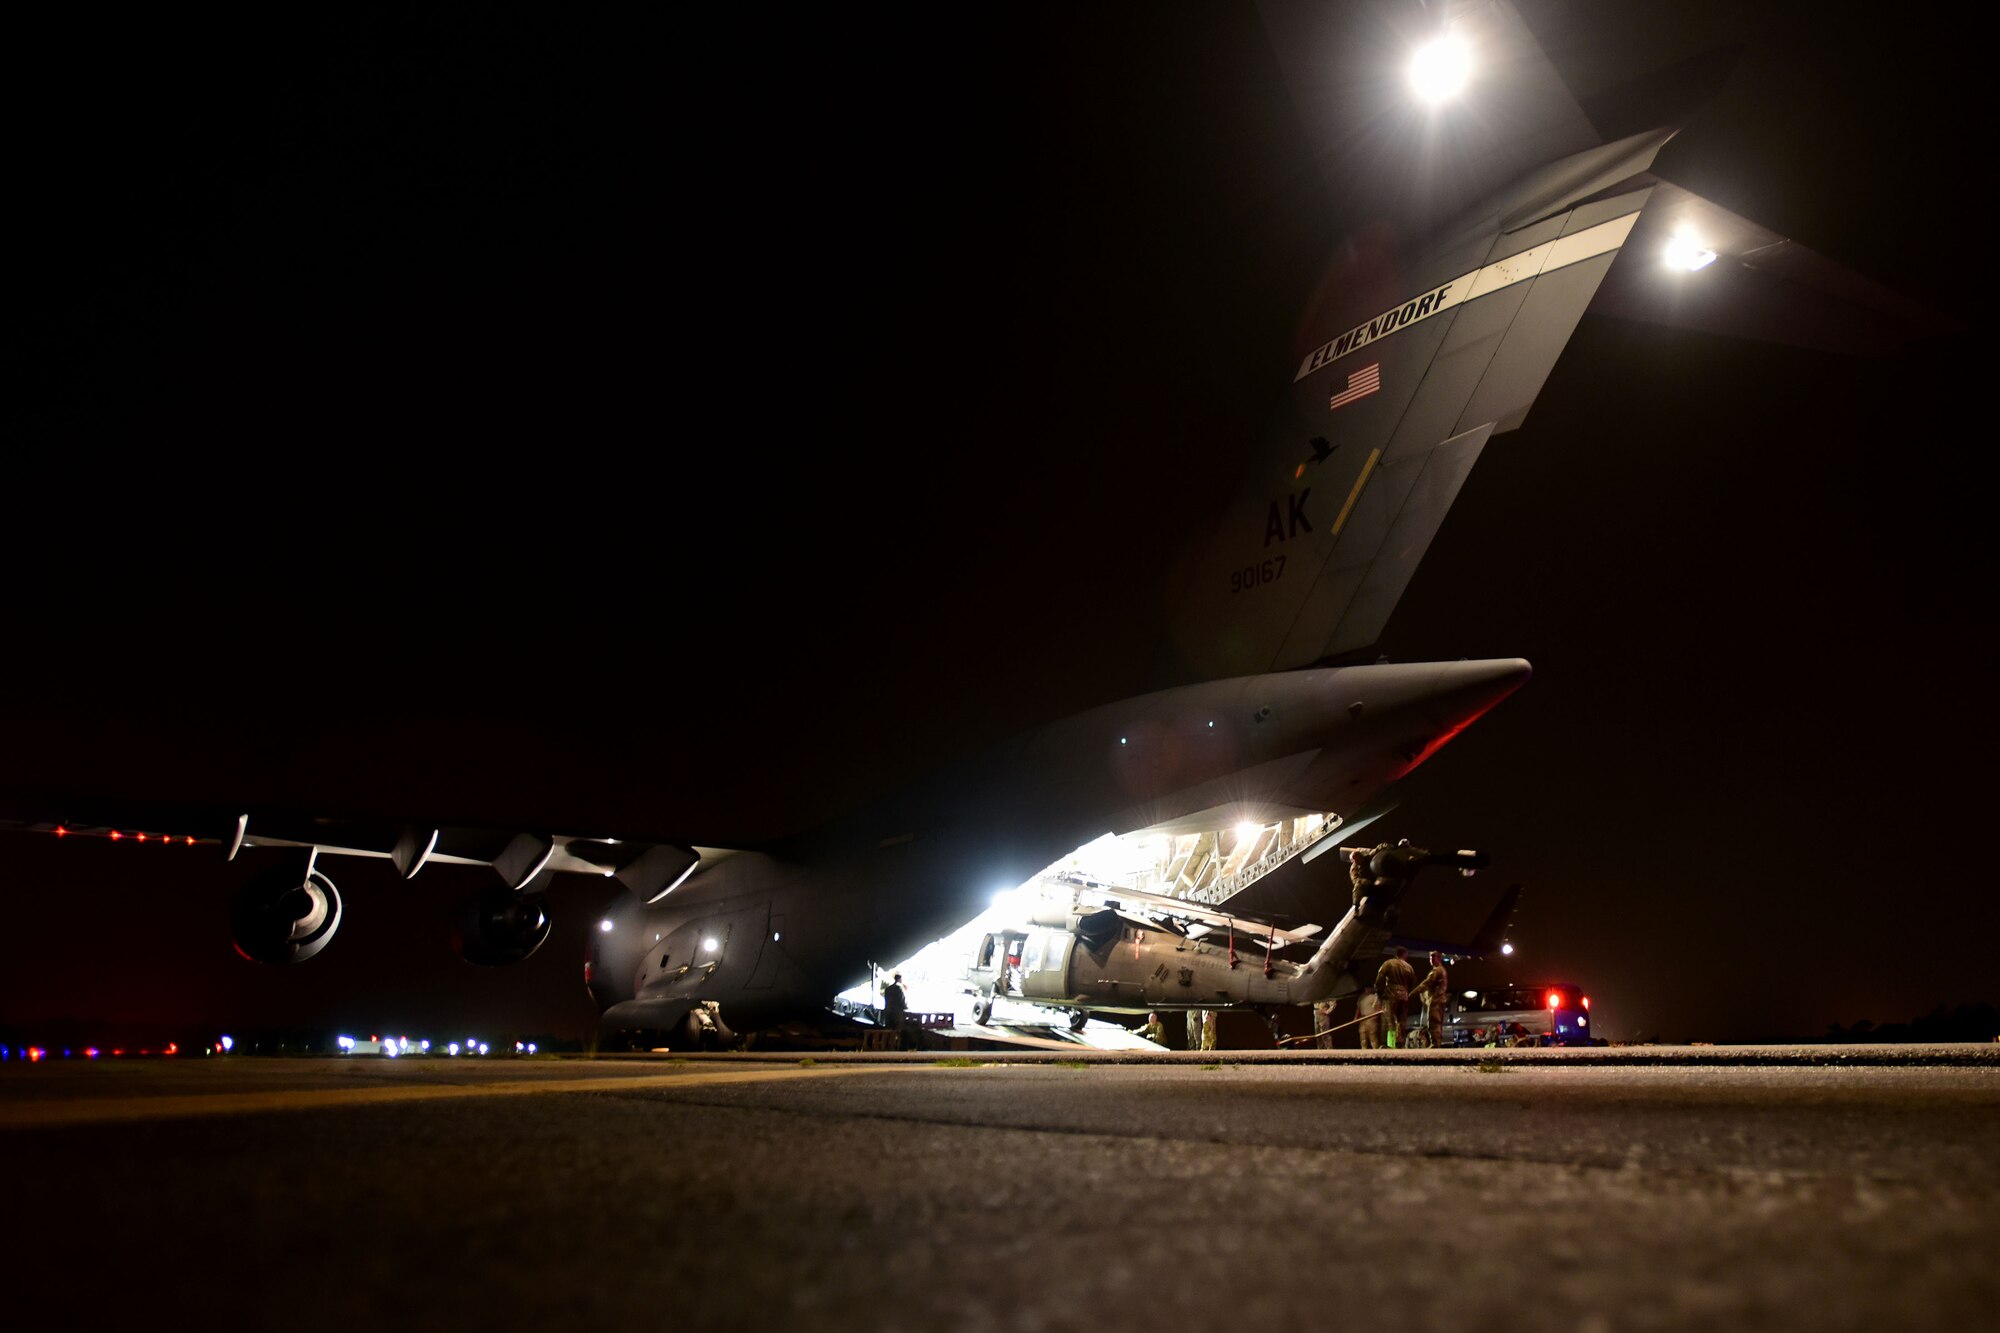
(1759, 285)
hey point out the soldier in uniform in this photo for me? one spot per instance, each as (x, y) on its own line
(1359, 873)
(894, 1006)
(1155, 1031)
(1369, 1010)
(1322, 1020)
(1392, 986)
(1209, 1019)
(1194, 1029)
(1435, 989)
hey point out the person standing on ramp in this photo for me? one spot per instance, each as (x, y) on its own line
(894, 1006)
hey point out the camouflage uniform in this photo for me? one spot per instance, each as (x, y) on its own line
(1322, 1020)
(1194, 1029)
(1359, 872)
(1369, 1010)
(1209, 1019)
(1392, 985)
(1436, 991)
(1154, 1031)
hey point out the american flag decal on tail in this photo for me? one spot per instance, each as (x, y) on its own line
(1360, 384)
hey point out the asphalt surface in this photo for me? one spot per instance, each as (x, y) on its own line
(882, 1194)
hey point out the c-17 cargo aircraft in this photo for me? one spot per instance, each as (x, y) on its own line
(1266, 706)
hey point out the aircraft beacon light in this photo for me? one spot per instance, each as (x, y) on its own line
(1440, 67)
(1685, 251)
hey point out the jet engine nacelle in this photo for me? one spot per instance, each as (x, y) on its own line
(285, 916)
(498, 926)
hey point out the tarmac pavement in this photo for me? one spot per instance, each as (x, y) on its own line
(901, 1193)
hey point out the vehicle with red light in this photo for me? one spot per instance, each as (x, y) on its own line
(1550, 1014)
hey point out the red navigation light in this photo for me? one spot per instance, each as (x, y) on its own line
(1586, 1002)
(190, 840)
(61, 832)
(173, 1048)
(142, 837)
(116, 835)
(35, 1054)
(1555, 999)
(90, 1052)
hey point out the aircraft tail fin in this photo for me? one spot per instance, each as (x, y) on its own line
(1414, 363)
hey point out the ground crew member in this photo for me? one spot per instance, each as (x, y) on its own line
(1322, 1024)
(1435, 989)
(1194, 1029)
(1392, 987)
(1208, 1022)
(1359, 873)
(894, 1006)
(1155, 1030)
(1369, 1010)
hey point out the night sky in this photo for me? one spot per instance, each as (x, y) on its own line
(693, 426)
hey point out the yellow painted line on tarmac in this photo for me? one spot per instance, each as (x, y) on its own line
(108, 1110)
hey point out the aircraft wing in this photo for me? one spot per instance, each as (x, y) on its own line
(523, 860)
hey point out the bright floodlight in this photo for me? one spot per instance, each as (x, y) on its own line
(605, 925)
(711, 944)
(1684, 251)
(1507, 949)
(1247, 829)
(1440, 67)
